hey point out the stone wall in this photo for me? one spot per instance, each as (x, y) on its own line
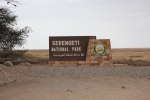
(92, 58)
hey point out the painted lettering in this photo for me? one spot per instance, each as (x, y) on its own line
(76, 48)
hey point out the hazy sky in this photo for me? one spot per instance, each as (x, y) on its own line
(125, 22)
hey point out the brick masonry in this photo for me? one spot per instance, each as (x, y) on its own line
(91, 58)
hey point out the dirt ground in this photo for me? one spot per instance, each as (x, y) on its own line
(27, 87)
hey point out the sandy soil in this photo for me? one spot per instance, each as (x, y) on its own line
(27, 87)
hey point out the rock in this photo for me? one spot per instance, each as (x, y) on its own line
(123, 87)
(5, 77)
(8, 63)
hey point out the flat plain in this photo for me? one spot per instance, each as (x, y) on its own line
(129, 56)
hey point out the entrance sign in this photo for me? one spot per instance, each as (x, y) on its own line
(79, 51)
(69, 48)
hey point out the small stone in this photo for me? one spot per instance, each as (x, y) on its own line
(123, 87)
(69, 90)
(8, 63)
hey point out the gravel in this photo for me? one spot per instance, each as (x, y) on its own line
(126, 71)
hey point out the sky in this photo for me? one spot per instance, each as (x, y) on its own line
(125, 22)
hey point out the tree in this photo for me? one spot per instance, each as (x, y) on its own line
(12, 2)
(11, 37)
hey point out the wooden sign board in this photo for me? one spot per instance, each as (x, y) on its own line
(68, 48)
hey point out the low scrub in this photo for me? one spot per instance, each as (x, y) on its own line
(132, 62)
(13, 53)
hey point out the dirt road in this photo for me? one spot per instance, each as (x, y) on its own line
(29, 87)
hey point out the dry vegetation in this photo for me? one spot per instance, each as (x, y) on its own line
(136, 56)
(32, 56)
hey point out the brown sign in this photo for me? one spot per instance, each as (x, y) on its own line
(68, 48)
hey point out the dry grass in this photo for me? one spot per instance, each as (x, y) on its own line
(39, 54)
(138, 56)
(32, 56)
